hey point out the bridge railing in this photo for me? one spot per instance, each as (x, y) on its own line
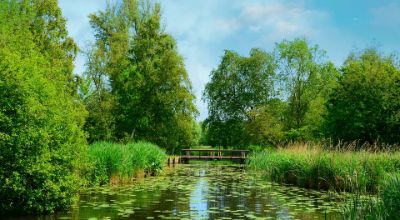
(213, 154)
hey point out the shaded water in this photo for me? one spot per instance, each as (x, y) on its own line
(203, 191)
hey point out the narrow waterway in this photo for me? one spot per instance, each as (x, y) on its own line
(203, 191)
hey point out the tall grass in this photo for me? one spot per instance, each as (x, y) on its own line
(373, 176)
(111, 162)
(382, 206)
(312, 167)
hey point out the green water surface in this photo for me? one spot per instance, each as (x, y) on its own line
(203, 191)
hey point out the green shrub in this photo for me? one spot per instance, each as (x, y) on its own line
(41, 137)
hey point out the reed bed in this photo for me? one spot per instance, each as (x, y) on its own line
(112, 163)
(385, 205)
(372, 175)
(311, 166)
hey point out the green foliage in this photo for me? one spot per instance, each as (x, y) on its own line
(390, 196)
(150, 92)
(265, 126)
(111, 160)
(250, 104)
(319, 169)
(365, 105)
(385, 205)
(238, 86)
(100, 122)
(196, 134)
(307, 80)
(41, 137)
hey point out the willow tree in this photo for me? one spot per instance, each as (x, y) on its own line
(41, 119)
(152, 93)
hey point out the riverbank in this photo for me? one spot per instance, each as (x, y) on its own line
(310, 166)
(372, 177)
(112, 163)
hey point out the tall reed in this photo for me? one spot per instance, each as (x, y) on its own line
(117, 162)
(311, 166)
(382, 206)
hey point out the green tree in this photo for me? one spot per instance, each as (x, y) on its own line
(107, 68)
(196, 134)
(151, 88)
(306, 80)
(41, 119)
(238, 86)
(265, 126)
(98, 99)
(365, 106)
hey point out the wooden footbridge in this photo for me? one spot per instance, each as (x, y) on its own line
(213, 154)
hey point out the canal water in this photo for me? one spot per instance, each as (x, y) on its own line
(203, 191)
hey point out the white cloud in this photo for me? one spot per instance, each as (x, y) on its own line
(281, 20)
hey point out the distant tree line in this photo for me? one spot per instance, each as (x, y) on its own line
(295, 94)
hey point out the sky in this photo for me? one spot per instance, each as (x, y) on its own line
(203, 29)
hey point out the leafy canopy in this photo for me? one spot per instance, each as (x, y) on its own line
(137, 63)
(238, 86)
(365, 106)
(41, 137)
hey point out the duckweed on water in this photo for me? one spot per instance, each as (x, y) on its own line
(205, 192)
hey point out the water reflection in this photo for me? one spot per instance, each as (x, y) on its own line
(202, 192)
(198, 197)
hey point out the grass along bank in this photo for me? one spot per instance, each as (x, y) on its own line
(384, 205)
(112, 163)
(372, 177)
(312, 167)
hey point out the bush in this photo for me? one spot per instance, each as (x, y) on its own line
(41, 137)
(111, 160)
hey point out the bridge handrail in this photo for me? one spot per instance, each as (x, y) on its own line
(216, 150)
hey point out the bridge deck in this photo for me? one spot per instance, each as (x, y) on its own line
(213, 154)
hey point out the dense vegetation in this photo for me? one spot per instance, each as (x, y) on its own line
(371, 177)
(384, 205)
(136, 85)
(115, 163)
(295, 94)
(136, 88)
(311, 166)
(41, 117)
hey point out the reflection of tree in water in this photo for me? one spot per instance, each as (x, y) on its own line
(203, 192)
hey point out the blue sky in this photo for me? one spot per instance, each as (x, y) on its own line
(205, 28)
